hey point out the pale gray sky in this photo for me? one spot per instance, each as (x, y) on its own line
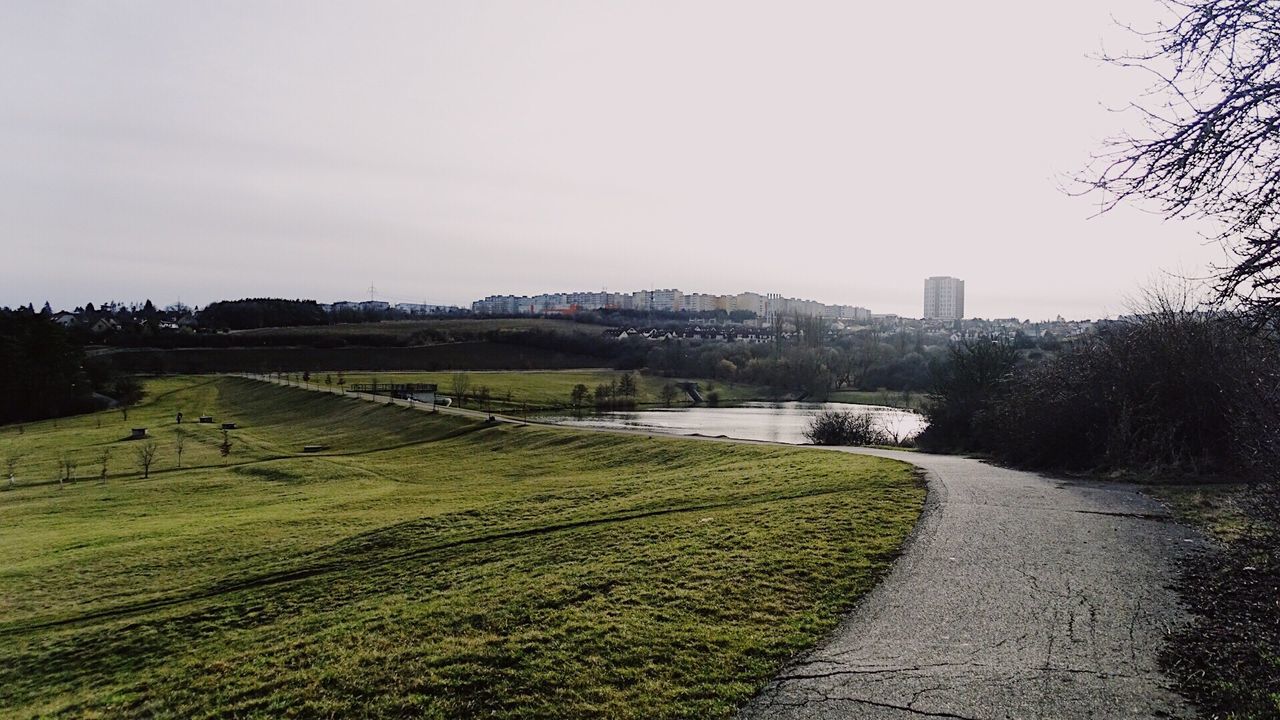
(837, 151)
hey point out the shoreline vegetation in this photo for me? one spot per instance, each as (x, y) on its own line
(423, 564)
(553, 390)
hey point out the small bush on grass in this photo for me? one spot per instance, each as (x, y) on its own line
(845, 427)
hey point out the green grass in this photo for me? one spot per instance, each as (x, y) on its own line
(425, 566)
(548, 389)
(1215, 508)
(889, 398)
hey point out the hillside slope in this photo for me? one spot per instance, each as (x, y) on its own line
(422, 565)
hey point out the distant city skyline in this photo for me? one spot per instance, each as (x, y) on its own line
(761, 305)
(664, 299)
(449, 150)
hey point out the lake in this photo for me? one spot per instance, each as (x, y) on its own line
(774, 422)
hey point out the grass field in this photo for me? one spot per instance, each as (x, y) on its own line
(424, 566)
(889, 398)
(546, 389)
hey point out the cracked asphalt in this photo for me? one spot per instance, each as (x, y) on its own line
(1018, 596)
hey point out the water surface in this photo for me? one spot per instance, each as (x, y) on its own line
(774, 422)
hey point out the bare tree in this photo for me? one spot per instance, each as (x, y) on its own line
(225, 447)
(179, 444)
(68, 465)
(104, 460)
(1210, 147)
(145, 455)
(461, 383)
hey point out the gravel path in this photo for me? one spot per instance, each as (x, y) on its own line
(1018, 596)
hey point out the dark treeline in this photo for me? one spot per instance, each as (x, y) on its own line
(41, 369)
(43, 373)
(1171, 390)
(809, 361)
(804, 361)
(812, 365)
(252, 313)
(448, 356)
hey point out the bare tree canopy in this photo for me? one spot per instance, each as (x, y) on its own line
(1211, 146)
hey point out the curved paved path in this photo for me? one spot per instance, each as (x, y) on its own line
(1018, 596)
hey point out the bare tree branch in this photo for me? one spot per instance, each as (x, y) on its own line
(1211, 142)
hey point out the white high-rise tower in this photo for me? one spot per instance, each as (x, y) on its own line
(943, 298)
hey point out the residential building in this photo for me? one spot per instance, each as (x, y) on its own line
(754, 302)
(502, 305)
(668, 300)
(424, 308)
(943, 298)
(704, 302)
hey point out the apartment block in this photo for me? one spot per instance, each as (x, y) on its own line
(943, 298)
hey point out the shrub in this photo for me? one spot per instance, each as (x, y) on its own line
(845, 427)
(964, 386)
(1172, 389)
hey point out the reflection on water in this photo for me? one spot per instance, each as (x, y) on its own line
(776, 422)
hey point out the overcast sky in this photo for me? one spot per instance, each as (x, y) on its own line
(836, 151)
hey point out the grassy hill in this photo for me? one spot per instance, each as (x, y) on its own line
(424, 565)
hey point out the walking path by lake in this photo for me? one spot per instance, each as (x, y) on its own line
(1018, 596)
